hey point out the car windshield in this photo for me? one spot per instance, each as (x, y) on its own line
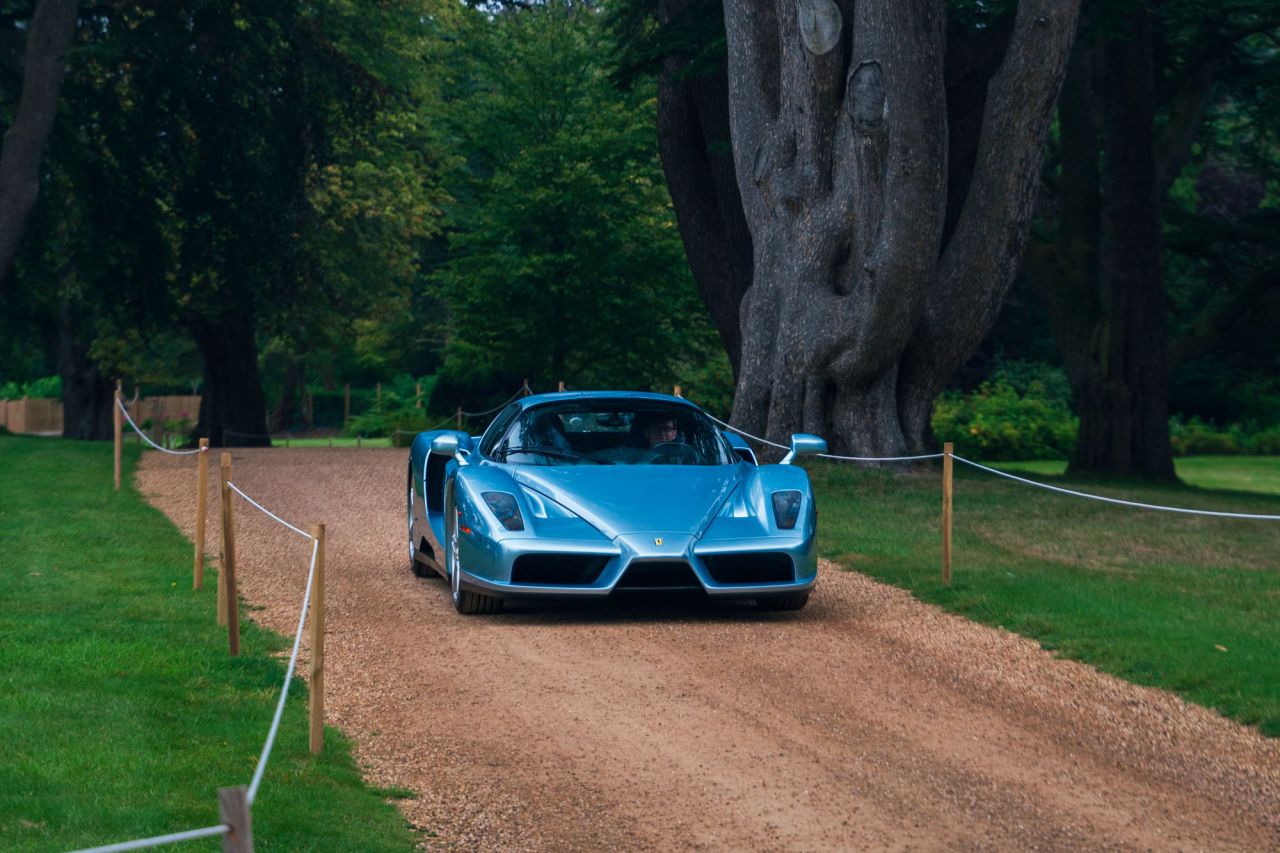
(612, 432)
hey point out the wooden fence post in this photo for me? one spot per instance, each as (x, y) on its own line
(459, 417)
(233, 810)
(226, 586)
(346, 403)
(417, 395)
(677, 390)
(119, 424)
(317, 644)
(561, 386)
(378, 402)
(946, 512)
(202, 486)
(526, 389)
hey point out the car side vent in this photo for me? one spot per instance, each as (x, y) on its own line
(558, 569)
(750, 568)
(674, 574)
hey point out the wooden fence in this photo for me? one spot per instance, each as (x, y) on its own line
(30, 415)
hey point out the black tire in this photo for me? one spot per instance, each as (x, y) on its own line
(778, 603)
(465, 601)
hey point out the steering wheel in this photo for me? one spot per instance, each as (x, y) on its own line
(677, 452)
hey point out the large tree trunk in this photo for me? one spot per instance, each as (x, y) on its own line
(863, 299)
(233, 407)
(52, 29)
(87, 395)
(1102, 279)
(697, 159)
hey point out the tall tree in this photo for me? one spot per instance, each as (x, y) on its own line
(244, 169)
(1137, 91)
(49, 36)
(564, 260)
(881, 250)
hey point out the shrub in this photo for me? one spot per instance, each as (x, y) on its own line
(46, 387)
(1195, 437)
(399, 420)
(997, 422)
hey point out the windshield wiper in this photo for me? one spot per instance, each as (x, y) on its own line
(554, 451)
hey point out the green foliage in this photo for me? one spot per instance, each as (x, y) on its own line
(121, 710)
(48, 387)
(1147, 596)
(397, 418)
(565, 262)
(1023, 412)
(1194, 437)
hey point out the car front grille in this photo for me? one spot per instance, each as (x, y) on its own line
(750, 568)
(558, 569)
(673, 574)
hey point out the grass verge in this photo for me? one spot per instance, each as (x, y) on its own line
(1234, 473)
(120, 710)
(1186, 603)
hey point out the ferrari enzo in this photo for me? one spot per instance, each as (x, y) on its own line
(590, 494)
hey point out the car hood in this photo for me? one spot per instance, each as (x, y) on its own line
(618, 499)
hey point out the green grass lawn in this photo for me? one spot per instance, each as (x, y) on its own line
(1190, 604)
(1238, 473)
(120, 712)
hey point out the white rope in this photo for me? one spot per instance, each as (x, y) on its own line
(136, 429)
(296, 530)
(1117, 500)
(510, 399)
(171, 838)
(880, 458)
(745, 434)
(288, 677)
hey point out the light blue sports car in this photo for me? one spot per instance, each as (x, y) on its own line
(588, 494)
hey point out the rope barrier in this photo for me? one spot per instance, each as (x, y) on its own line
(139, 431)
(998, 473)
(1138, 504)
(746, 434)
(288, 677)
(506, 402)
(171, 838)
(296, 530)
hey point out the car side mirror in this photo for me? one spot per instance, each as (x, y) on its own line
(447, 445)
(802, 443)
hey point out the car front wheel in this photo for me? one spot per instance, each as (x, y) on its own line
(464, 600)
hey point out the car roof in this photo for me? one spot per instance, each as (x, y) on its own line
(565, 396)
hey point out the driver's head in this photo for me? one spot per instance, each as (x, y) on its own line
(658, 429)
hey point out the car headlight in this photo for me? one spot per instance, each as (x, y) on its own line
(786, 508)
(504, 506)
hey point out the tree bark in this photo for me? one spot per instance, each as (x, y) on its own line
(694, 146)
(87, 395)
(862, 303)
(1102, 278)
(232, 407)
(52, 29)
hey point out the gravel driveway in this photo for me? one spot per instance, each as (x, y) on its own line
(867, 721)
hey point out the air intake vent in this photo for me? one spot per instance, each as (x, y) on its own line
(750, 568)
(558, 569)
(676, 574)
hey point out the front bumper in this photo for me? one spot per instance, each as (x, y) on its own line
(651, 561)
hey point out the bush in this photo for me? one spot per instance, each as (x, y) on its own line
(1195, 437)
(998, 422)
(46, 387)
(399, 420)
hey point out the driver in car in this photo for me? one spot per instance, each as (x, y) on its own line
(660, 430)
